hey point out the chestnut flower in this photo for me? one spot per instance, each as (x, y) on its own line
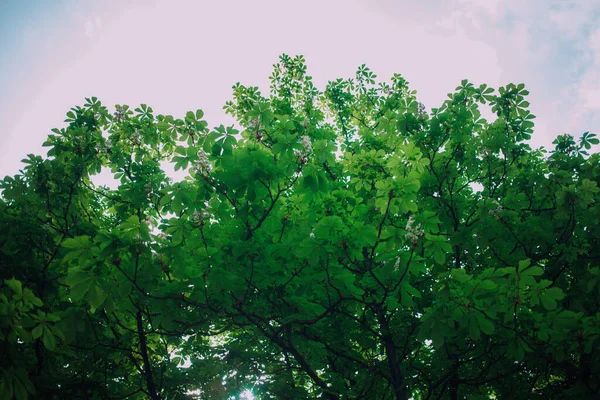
(203, 166)
(307, 148)
(306, 144)
(200, 217)
(413, 233)
(136, 138)
(149, 221)
(162, 236)
(104, 147)
(496, 212)
(397, 264)
(120, 113)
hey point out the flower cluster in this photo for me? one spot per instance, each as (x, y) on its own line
(306, 144)
(136, 138)
(162, 236)
(120, 113)
(149, 221)
(420, 109)
(200, 217)
(148, 189)
(202, 166)
(496, 212)
(303, 154)
(413, 233)
(104, 147)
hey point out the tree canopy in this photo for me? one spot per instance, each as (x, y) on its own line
(336, 244)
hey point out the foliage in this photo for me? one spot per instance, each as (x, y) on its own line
(338, 244)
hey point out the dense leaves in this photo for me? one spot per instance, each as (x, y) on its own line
(344, 244)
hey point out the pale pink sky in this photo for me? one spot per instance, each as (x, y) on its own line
(183, 55)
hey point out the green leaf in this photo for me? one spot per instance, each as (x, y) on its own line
(20, 392)
(488, 285)
(439, 256)
(96, 296)
(438, 338)
(547, 301)
(532, 271)
(410, 290)
(328, 227)
(460, 275)
(485, 324)
(78, 290)
(474, 331)
(78, 242)
(6, 389)
(457, 314)
(37, 331)
(49, 339)
(524, 264)
(216, 149)
(22, 376)
(555, 293)
(15, 285)
(57, 332)
(311, 182)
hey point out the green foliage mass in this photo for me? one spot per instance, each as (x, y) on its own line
(338, 244)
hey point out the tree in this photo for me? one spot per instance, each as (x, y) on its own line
(343, 244)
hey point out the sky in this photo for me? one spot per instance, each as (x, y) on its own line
(177, 55)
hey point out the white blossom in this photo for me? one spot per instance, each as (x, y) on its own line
(200, 217)
(162, 236)
(136, 138)
(409, 223)
(148, 189)
(104, 147)
(203, 166)
(120, 113)
(149, 221)
(306, 144)
(413, 233)
(307, 148)
(496, 212)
